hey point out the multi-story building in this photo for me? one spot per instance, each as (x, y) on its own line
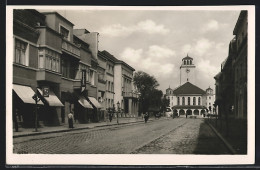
(110, 93)
(240, 66)
(125, 96)
(48, 56)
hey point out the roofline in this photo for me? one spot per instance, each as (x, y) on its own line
(242, 14)
(56, 13)
(122, 62)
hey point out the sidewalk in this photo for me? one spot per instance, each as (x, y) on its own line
(77, 126)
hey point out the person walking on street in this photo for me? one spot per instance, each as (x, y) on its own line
(146, 116)
(70, 117)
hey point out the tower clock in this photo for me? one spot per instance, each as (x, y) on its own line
(187, 71)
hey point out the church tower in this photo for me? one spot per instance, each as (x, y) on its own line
(187, 71)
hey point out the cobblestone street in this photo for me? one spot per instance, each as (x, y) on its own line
(175, 136)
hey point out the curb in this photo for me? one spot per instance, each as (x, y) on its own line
(67, 130)
(230, 148)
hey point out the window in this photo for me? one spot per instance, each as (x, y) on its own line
(112, 87)
(209, 97)
(92, 77)
(199, 101)
(190, 62)
(194, 100)
(20, 52)
(188, 100)
(108, 87)
(210, 104)
(64, 32)
(184, 62)
(183, 101)
(178, 101)
(50, 60)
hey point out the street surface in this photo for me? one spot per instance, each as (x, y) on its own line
(173, 136)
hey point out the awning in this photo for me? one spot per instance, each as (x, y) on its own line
(52, 99)
(25, 93)
(84, 102)
(95, 102)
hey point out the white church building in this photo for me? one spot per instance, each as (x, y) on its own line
(188, 99)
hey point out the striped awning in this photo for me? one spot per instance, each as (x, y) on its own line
(95, 102)
(25, 93)
(82, 100)
(52, 100)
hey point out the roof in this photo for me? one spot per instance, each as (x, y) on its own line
(209, 88)
(59, 15)
(188, 88)
(242, 16)
(218, 75)
(109, 56)
(187, 57)
(188, 107)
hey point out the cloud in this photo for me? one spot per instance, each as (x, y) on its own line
(116, 30)
(147, 26)
(150, 27)
(206, 69)
(131, 54)
(202, 46)
(212, 25)
(158, 52)
(154, 60)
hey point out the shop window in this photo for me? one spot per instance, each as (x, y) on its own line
(20, 52)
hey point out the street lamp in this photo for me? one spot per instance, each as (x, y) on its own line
(118, 106)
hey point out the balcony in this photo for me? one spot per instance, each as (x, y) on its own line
(130, 95)
(70, 48)
(48, 75)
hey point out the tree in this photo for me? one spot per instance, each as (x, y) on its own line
(165, 103)
(147, 85)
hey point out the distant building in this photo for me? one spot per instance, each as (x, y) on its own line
(187, 71)
(210, 98)
(188, 98)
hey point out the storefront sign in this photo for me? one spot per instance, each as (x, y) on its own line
(83, 78)
(45, 91)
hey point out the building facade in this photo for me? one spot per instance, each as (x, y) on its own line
(125, 96)
(49, 57)
(240, 66)
(188, 99)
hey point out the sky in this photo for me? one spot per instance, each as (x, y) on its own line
(155, 41)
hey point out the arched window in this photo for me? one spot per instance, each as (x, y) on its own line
(194, 100)
(188, 100)
(183, 101)
(190, 62)
(184, 62)
(178, 101)
(199, 101)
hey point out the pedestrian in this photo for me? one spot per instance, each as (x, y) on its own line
(15, 120)
(110, 115)
(146, 116)
(70, 117)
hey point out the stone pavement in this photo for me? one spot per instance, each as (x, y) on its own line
(77, 126)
